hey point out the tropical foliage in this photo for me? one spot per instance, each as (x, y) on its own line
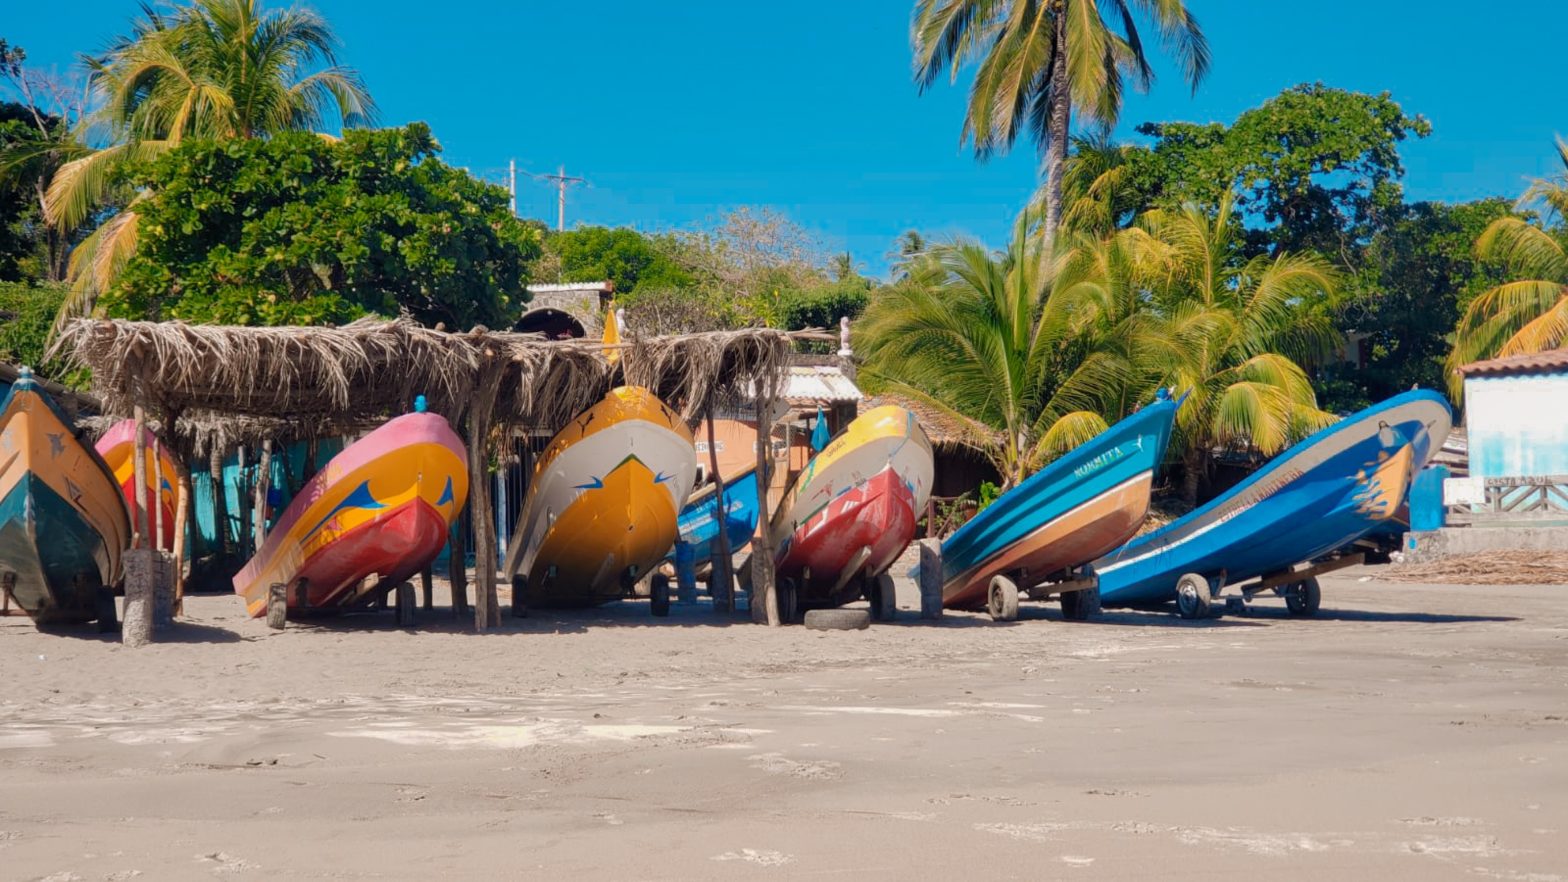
(1036, 61)
(215, 69)
(297, 229)
(1529, 313)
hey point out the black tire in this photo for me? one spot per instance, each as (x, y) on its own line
(659, 594)
(838, 619)
(405, 604)
(1002, 599)
(519, 597)
(789, 603)
(1303, 598)
(883, 597)
(1078, 606)
(1193, 597)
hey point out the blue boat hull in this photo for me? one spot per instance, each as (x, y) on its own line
(1065, 515)
(698, 523)
(1318, 496)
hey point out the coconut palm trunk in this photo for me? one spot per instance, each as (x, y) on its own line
(1056, 148)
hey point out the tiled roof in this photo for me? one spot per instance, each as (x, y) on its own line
(1551, 361)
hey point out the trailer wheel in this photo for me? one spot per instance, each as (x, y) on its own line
(789, 601)
(1002, 601)
(405, 604)
(1193, 596)
(1303, 598)
(659, 594)
(884, 599)
(1078, 606)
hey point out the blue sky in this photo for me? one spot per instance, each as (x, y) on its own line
(676, 112)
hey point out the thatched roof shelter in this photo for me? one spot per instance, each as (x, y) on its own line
(220, 386)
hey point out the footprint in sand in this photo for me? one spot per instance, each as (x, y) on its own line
(226, 864)
(755, 856)
(778, 764)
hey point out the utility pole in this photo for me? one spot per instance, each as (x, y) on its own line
(561, 180)
(511, 183)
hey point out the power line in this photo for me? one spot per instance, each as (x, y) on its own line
(562, 180)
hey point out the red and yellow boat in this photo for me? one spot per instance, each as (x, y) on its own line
(851, 513)
(377, 514)
(118, 449)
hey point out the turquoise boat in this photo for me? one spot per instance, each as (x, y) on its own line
(698, 524)
(1064, 516)
(63, 524)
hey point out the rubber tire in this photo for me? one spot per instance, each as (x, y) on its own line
(1081, 605)
(659, 595)
(838, 619)
(1002, 599)
(519, 597)
(884, 600)
(1303, 598)
(405, 604)
(789, 602)
(1194, 597)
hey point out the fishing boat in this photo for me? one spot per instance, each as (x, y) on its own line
(1315, 498)
(63, 524)
(118, 449)
(1035, 537)
(603, 504)
(851, 513)
(698, 524)
(377, 514)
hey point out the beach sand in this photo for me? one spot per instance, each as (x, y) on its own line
(1408, 732)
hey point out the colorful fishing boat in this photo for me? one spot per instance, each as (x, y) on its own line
(603, 504)
(63, 524)
(851, 513)
(1036, 536)
(377, 514)
(118, 449)
(1315, 498)
(698, 525)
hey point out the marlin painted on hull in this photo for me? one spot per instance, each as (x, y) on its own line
(376, 515)
(63, 523)
(852, 512)
(1067, 514)
(603, 504)
(1320, 495)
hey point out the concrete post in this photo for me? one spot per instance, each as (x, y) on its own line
(930, 578)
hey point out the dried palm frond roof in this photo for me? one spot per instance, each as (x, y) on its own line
(309, 382)
(944, 428)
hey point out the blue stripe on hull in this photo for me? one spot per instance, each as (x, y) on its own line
(699, 527)
(1121, 453)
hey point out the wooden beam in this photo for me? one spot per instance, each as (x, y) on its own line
(139, 528)
(762, 569)
(263, 482)
(721, 585)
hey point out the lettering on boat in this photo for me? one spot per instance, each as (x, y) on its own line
(1099, 462)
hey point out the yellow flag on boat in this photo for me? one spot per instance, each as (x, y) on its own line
(612, 334)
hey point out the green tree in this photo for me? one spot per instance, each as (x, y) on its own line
(1039, 60)
(1240, 328)
(298, 229)
(622, 255)
(1029, 371)
(35, 139)
(214, 69)
(26, 312)
(1530, 312)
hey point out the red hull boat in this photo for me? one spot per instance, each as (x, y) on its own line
(857, 535)
(413, 534)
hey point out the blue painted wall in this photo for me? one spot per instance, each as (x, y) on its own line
(1518, 426)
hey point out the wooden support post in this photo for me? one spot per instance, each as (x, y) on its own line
(220, 500)
(457, 567)
(930, 578)
(721, 585)
(762, 564)
(157, 495)
(263, 483)
(242, 531)
(427, 583)
(309, 471)
(181, 524)
(139, 528)
(487, 607)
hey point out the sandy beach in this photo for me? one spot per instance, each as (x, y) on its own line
(1409, 732)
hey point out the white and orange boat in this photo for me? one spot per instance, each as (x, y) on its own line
(118, 449)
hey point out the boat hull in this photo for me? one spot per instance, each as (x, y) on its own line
(1319, 496)
(698, 524)
(378, 513)
(63, 524)
(118, 449)
(603, 505)
(1067, 514)
(862, 492)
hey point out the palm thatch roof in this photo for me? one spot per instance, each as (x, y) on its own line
(233, 384)
(944, 428)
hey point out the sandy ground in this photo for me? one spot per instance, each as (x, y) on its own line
(1410, 732)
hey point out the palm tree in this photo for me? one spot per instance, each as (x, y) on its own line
(1029, 373)
(1530, 314)
(214, 69)
(1240, 329)
(1039, 59)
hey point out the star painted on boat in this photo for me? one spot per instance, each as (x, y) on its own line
(56, 443)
